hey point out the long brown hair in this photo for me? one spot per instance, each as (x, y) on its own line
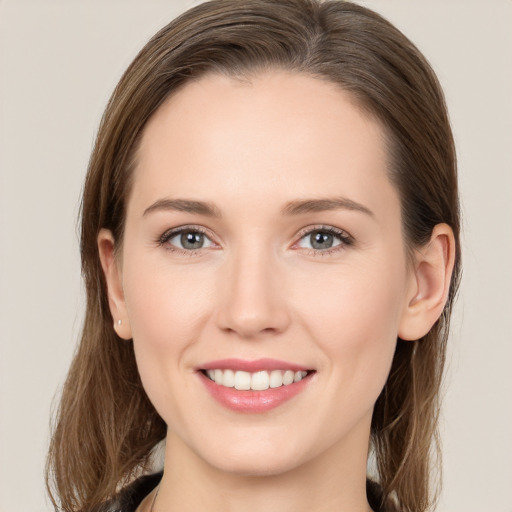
(106, 426)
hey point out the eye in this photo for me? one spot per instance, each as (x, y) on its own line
(185, 239)
(324, 239)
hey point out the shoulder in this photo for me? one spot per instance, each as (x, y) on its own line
(132, 495)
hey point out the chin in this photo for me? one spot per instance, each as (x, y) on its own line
(255, 459)
(256, 467)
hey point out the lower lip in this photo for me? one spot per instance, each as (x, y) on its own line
(253, 401)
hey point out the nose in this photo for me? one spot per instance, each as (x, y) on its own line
(252, 296)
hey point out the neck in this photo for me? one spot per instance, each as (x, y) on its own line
(332, 481)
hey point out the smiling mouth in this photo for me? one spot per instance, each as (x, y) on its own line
(255, 381)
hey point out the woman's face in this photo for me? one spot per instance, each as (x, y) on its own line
(263, 240)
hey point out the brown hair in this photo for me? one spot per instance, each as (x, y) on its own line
(106, 426)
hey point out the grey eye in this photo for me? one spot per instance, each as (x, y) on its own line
(321, 240)
(189, 240)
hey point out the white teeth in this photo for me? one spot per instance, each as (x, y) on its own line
(288, 377)
(242, 381)
(228, 379)
(257, 381)
(276, 379)
(260, 381)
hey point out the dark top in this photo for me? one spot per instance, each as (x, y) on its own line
(132, 495)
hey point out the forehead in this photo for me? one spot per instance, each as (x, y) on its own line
(280, 134)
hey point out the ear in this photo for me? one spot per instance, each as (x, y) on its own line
(113, 276)
(430, 284)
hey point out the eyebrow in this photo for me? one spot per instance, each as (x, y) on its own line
(298, 207)
(185, 205)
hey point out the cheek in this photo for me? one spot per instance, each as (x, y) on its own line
(354, 316)
(166, 311)
(163, 302)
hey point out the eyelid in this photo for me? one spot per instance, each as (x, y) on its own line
(172, 232)
(345, 238)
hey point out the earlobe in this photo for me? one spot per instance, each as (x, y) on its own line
(430, 284)
(113, 278)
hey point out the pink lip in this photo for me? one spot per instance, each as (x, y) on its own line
(252, 366)
(253, 401)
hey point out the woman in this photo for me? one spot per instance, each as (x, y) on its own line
(270, 244)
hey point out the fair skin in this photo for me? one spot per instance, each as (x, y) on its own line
(328, 289)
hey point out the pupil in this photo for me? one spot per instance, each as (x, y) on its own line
(191, 240)
(321, 240)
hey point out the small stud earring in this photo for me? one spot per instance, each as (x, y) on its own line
(119, 322)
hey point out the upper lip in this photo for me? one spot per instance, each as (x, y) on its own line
(252, 366)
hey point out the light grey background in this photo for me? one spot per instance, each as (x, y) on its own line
(59, 61)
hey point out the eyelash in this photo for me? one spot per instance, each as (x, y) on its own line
(171, 233)
(346, 240)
